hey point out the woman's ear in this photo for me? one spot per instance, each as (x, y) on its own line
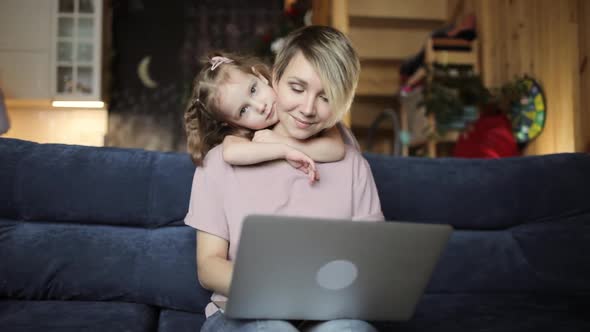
(260, 76)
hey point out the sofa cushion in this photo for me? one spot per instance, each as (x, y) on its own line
(50, 261)
(517, 312)
(10, 154)
(542, 257)
(59, 316)
(558, 251)
(482, 194)
(180, 321)
(70, 183)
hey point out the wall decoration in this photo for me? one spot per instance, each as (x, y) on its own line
(144, 74)
(528, 113)
(156, 47)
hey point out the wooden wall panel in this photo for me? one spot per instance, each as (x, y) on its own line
(51, 125)
(539, 38)
(583, 116)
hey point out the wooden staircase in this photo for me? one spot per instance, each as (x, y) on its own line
(384, 33)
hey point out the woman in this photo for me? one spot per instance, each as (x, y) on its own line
(315, 77)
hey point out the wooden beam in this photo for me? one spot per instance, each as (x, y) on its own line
(322, 11)
(387, 44)
(583, 116)
(340, 15)
(378, 78)
(340, 22)
(415, 9)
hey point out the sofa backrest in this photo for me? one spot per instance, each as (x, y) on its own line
(84, 223)
(482, 194)
(106, 186)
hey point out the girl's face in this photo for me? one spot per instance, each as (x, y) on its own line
(302, 105)
(247, 100)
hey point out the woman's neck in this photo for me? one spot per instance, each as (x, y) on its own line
(279, 129)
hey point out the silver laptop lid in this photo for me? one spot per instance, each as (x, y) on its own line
(319, 269)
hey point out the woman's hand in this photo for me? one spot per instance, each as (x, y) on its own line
(302, 162)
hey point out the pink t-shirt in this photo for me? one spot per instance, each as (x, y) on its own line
(222, 195)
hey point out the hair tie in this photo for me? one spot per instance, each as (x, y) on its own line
(216, 61)
(197, 101)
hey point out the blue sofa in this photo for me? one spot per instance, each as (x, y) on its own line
(92, 239)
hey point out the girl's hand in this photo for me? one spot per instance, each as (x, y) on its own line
(266, 136)
(302, 162)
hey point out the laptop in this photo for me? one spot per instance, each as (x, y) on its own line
(321, 269)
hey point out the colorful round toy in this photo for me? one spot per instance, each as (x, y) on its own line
(529, 113)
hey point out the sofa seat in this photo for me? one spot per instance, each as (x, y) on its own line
(506, 312)
(180, 321)
(47, 316)
(548, 256)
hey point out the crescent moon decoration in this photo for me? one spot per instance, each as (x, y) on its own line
(144, 74)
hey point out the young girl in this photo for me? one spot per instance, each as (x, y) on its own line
(232, 102)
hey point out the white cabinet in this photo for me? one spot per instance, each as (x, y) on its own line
(25, 74)
(77, 50)
(25, 48)
(51, 49)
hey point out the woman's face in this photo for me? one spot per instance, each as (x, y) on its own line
(302, 105)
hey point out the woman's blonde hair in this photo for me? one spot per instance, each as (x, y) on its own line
(332, 56)
(204, 126)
